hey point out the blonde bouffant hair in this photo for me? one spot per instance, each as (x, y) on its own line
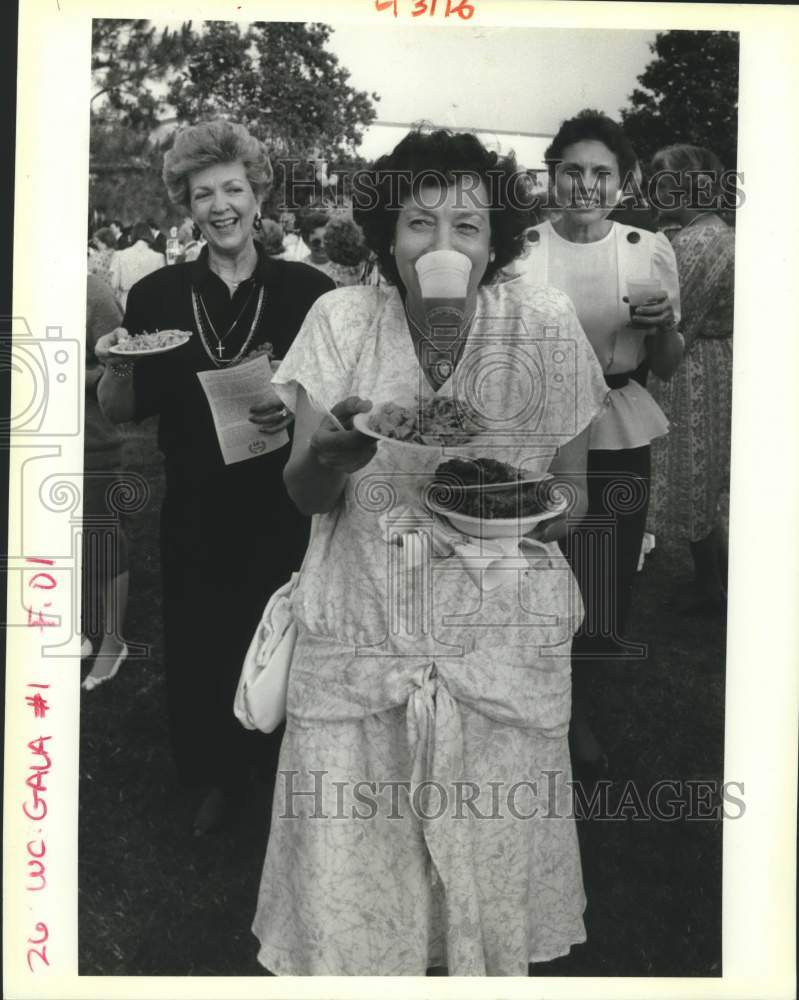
(207, 144)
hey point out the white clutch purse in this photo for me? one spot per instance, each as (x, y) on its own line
(260, 701)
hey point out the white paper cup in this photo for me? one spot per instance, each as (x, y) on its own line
(443, 274)
(639, 293)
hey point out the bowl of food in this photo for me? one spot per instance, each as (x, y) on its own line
(485, 498)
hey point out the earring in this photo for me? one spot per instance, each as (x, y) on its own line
(391, 249)
(256, 222)
(491, 256)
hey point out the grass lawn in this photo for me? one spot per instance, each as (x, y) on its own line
(153, 900)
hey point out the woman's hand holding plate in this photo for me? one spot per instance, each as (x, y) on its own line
(344, 450)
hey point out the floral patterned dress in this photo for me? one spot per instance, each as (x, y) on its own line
(413, 687)
(100, 264)
(691, 468)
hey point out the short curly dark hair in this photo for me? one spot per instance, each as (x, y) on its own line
(310, 220)
(590, 126)
(344, 243)
(379, 192)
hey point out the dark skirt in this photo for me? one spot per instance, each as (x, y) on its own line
(223, 553)
(604, 550)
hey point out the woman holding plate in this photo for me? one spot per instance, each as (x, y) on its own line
(413, 681)
(229, 534)
(623, 283)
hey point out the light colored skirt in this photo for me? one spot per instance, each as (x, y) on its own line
(348, 887)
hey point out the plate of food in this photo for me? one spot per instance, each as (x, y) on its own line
(485, 498)
(439, 423)
(146, 344)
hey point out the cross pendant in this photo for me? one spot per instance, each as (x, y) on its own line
(219, 348)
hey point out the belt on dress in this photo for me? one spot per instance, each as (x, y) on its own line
(620, 379)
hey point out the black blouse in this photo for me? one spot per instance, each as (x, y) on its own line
(167, 384)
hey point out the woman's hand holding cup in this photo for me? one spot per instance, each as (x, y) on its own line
(343, 450)
(649, 306)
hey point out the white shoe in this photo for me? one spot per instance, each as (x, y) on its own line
(86, 648)
(90, 682)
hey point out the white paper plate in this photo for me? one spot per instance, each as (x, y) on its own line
(149, 351)
(493, 527)
(361, 423)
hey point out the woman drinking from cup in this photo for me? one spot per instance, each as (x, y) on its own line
(412, 680)
(229, 534)
(623, 283)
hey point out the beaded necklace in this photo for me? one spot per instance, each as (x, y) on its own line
(204, 325)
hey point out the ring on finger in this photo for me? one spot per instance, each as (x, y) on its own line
(284, 412)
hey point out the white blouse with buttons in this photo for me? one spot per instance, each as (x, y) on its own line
(594, 276)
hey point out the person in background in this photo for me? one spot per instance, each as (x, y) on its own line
(229, 534)
(188, 235)
(158, 242)
(105, 573)
(119, 231)
(271, 238)
(312, 227)
(691, 468)
(591, 258)
(105, 246)
(634, 209)
(131, 265)
(344, 245)
(293, 242)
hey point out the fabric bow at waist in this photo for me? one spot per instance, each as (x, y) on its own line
(329, 684)
(435, 736)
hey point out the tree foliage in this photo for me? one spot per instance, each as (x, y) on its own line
(126, 176)
(690, 95)
(128, 59)
(279, 80)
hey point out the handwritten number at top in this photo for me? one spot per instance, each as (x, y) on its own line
(462, 8)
